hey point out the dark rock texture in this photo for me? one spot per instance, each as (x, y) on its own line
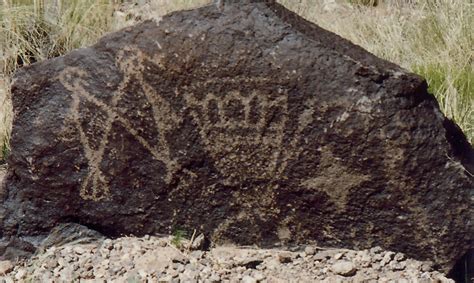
(244, 122)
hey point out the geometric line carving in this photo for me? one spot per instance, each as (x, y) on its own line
(95, 186)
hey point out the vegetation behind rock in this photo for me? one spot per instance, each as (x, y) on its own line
(431, 38)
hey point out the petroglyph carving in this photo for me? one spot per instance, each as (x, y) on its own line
(130, 61)
(244, 133)
(250, 124)
(241, 132)
(335, 180)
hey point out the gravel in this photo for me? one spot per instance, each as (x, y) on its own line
(156, 259)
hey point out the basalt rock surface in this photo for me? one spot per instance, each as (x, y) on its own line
(242, 121)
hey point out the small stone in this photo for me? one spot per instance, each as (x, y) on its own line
(285, 257)
(376, 250)
(20, 274)
(142, 273)
(50, 263)
(248, 279)
(5, 266)
(167, 278)
(426, 278)
(180, 268)
(364, 259)
(259, 276)
(188, 276)
(192, 266)
(178, 258)
(442, 279)
(377, 257)
(199, 243)
(206, 270)
(66, 250)
(117, 246)
(387, 258)
(396, 266)
(79, 250)
(162, 243)
(350, 254)
(310, 250)
(107, 245)
(344, 268)
(338, 256)
(100, 272)
(399, 257)
(214, 278)
(251, 262)
(427, 266)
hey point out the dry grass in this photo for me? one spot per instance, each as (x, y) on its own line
(433, 38)
(130, 14)
(32, 31)
(5, 116)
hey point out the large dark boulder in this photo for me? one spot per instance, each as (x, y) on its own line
(245, 122)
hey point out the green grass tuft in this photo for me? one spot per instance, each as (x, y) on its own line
(4, 152)
(178, 236)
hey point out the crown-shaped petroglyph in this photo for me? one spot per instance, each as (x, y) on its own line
(130, 62)
(233, 111)
(245, 132)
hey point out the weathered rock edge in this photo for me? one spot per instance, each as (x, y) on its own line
(245, 122)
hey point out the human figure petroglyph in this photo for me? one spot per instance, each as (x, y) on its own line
(130, 62)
